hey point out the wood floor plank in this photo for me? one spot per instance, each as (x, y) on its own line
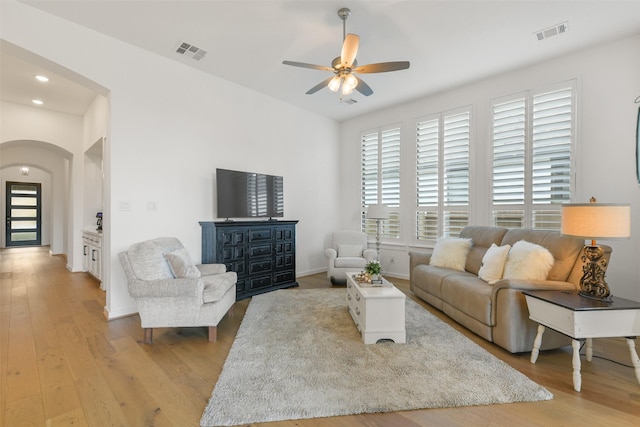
(82, 370)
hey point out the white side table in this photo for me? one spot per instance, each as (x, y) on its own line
(377, 311)
(584, 319)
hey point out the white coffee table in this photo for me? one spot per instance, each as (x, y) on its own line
(378, 311)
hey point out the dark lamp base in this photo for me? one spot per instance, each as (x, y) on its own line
(592, 283)
(608, 299)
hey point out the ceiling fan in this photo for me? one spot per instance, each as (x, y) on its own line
(345, 66)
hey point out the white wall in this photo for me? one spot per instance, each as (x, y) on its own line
(42, 139)
(609, 81)
(170, 127)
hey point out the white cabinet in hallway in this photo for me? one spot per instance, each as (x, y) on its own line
(92, 253)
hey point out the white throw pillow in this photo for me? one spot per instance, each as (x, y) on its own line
(181, 264)
(349, 250)
(528, 261)
(451, 252)
(493, 263)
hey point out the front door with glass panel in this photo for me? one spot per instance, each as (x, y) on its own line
(23, 214)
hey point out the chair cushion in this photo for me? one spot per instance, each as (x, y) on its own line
(349, 250)
(181, 264)
(217, 285)
(355, 262)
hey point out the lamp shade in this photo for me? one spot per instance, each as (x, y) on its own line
(378, 212)
(596, 220)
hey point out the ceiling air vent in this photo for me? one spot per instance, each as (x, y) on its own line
(552, 31)
(191, 51)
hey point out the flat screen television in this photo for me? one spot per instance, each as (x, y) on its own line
(249, 195)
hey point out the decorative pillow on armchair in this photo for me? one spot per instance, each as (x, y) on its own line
(528, 261)
(350, 251)
(493, 263)
(451, 252)
(181, 264)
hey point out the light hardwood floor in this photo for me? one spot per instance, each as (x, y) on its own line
(63, 364)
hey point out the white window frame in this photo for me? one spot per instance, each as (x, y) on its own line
(389, 149)
(530, 214)
(432, 205)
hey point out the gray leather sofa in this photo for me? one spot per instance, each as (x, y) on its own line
(498, 312)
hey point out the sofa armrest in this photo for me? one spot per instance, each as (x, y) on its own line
(532, 285)
(528, 285)
(209, 269)
(166, 288)
(418, 258)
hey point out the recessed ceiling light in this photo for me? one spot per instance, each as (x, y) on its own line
(37, 101)
(41, 78)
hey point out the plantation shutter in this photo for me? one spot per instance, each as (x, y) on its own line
(427, 180)
(532, 140)
(381, 179)
(509, 134)
(551, 158)
(442, 175)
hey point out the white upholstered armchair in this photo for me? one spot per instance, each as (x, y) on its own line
(348, 252)
(171, 291)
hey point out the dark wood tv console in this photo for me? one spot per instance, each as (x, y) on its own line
(262, 253)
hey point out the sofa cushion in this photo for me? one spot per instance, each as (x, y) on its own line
(181, 264)
(483, 237)
(470, 295)
(565, 250)
(429, 278)
(217, 285)
(528, 261)
(493, 263)
(451, 252)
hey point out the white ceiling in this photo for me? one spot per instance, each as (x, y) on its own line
(449, 43)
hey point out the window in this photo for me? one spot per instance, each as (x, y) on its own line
(381, 179)
(532, 140)
(442, 174)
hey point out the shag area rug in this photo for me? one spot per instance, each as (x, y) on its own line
(299, 355)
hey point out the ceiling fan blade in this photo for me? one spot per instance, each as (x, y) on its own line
(305, 65)
(382, 67)
(319, 86)
(362, 87)
(349, 50)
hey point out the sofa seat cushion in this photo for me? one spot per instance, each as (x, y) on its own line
(469, 294)
(347, 261)
(429, 278)
(217, 285)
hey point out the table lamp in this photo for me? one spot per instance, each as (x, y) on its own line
(378, 212)
(595, 221)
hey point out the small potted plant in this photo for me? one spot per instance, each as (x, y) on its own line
(374, 269)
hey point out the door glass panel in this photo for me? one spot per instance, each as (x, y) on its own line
(24, 189)
(24, 201)
(23, 225)
(24, 213)
(21, 236)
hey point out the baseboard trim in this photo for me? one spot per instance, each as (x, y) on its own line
(125, 312)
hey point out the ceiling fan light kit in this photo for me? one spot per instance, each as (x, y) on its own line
(345, 66)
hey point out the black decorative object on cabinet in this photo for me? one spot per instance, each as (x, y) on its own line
(262, 253)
